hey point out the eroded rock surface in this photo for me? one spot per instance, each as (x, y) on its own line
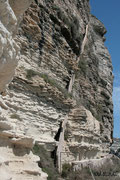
(16, 158)
(103, 168)
(61, 94)
(9, 49)
(115, 148)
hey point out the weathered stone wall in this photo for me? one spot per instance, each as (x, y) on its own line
(16, 158)
(9, 53)
(61, 94)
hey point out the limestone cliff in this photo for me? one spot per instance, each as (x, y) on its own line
(16, 160)
(61, 94)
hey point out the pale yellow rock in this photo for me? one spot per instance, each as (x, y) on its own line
(36, 107)
(17, 164)
(9, 50)
(16, 158)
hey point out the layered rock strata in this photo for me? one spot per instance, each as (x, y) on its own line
(61, 94)
(16, 158)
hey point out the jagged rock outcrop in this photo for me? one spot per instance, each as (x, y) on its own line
(61, 94)
(115, 148)
(8, 48)
(9, 53)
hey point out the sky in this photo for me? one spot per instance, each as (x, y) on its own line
(108, 11)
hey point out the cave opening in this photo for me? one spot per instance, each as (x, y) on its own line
(54, 152)
(57, 136)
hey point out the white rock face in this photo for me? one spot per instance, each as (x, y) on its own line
(16, 159)
(82, 134)
(18, 163)
(24, 117)
(9, 50)
(37, 106)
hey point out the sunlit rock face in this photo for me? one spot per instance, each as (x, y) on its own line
(16, 159)
(8, 48)
(61, 93)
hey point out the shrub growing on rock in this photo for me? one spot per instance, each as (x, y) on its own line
(46, 162)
